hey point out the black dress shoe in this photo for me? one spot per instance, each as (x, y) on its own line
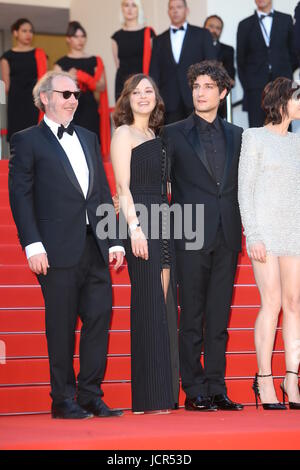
(222, 402)
(100, 409)
(199, 404)
(69, 409)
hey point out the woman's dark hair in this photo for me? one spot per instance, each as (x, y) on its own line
(73, 27)
(123, 112)
(17, 24)
(214, 70)
(275, 98)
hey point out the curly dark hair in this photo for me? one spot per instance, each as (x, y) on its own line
(275, 98)
(123, 112)
(214, 70)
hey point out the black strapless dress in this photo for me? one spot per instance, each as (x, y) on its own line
(154, 344)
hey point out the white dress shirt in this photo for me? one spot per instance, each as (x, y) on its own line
(266, 26)
(75, 154)
(177, 41)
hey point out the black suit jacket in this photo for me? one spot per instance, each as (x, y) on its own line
(253, 56)
(225, 54)
(193, 182)
(46, 199)
(171, 77)
(297, 31)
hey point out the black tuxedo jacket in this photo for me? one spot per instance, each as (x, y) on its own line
(193, 182)
(297, 31)
(253, 56)
(225, 54)
(171, 77)
(46, 199)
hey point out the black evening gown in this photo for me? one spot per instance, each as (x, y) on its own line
(87, 114)
(130, 53)
(21, 111)
(154, 342)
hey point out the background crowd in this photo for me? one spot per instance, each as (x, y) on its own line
(267, 46)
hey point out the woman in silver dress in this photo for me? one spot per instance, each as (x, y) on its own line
(269, 198)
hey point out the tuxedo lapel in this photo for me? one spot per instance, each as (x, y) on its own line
(275, 27)
(59, 152)
(169, 47)
(257, 30)
(89, 160)
(229, 150)
(192, 136)
(186, 40)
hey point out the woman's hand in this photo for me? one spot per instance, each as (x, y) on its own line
(139, 244)
(258, 252)
(73, 72)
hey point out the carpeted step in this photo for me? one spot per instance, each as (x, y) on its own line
(19, 372)
(33, 321)
(36, 399)
(31, 296)
(20, 345)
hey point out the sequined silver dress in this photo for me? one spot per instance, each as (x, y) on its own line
(269, 190)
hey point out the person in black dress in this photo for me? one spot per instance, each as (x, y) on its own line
(130, 45)
(140, 168)
(79, 64)
(20, 69)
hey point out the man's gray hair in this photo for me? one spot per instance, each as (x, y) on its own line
(45, 85)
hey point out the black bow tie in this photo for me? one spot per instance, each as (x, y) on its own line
(177, 29)
(62, 129)
(262, 17)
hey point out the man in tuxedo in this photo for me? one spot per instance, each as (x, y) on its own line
(225, 53)
(297, 31)
(265, 51)
(56, 183)
(204, 154)
(173, 52)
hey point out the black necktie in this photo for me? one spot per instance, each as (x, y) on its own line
(177, 29)
(62, 129)
(262, 17)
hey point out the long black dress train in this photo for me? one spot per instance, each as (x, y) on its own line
(154, 350)
(87, 114)
(21, 111)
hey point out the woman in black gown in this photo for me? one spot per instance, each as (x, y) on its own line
(21, 67)
(140, 168)
(89, 73)
(131, 45)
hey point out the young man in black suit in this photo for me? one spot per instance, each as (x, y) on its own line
(56, 184)
(173, 52)
(265, 51)
(204, 154)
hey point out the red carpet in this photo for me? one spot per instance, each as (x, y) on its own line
(180, 430)
(24, 372)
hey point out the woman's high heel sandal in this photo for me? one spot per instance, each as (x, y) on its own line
(266, 406)
(292, 405)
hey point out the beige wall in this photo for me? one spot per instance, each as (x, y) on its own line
(42, 3)
(101, 19)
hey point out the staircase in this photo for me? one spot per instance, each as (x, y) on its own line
(24, 373)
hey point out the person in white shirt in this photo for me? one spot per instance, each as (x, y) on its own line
(265, 51)
(173, 52)
(56, 184)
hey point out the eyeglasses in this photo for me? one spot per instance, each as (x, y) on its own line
(68, 94)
